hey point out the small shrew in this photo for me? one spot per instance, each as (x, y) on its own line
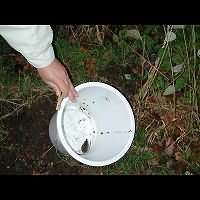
(85, 146)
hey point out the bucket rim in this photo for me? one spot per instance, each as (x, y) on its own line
(67, 146)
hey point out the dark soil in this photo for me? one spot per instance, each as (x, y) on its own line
(23, 151)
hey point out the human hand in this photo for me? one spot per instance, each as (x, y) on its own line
(55, 76)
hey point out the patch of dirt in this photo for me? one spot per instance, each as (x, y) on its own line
(28, 149)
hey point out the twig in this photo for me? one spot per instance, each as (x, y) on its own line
(11, 113)
(44, 154)
(8, 101)
(99, 35)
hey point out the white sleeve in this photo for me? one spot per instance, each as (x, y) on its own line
(34, 42)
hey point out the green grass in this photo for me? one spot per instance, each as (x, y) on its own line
(136, 160)
(16, 85)
(18, 90)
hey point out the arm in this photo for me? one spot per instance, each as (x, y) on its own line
(34, 42)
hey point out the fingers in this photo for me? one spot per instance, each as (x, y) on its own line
(64, 89)
(72, 92)
(66, 86)
(56, 76)
(67, 89)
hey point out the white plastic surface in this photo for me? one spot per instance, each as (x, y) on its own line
(78, 126)
(114, 124)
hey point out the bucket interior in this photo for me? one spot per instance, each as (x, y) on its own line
(113, 119)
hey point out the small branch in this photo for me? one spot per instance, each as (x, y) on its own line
(44, 154)
(11, 113)
(8, 101)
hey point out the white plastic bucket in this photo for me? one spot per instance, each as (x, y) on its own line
(115, 124)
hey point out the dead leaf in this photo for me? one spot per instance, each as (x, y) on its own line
(156, 148)
(179, 156)
(169, 90)
(178, 68)
(170, 36)
(135, 34)
(90, 66)
(83, 50)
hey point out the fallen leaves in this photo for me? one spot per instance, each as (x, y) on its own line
(156, 148)
(169, 90)
(83, 50)
(179, 156)
(171, 142)
(170, 36)
(178, 68)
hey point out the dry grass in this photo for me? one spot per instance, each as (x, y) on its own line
(90, 33)
(169, 115)
(161, 122)
(9, 107)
